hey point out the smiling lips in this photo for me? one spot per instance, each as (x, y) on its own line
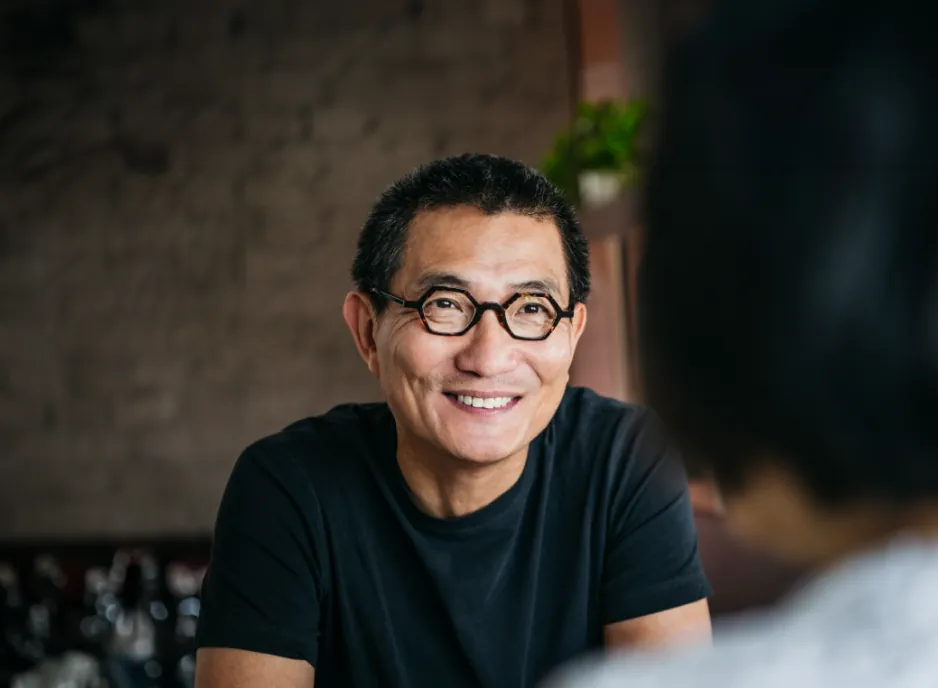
(483, 403)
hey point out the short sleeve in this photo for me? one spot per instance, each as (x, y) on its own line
(651, 561)
(263, 588)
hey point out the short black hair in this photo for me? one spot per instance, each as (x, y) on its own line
(490, 183)
(788, 307)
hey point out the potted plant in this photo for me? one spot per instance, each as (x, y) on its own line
(595, 159)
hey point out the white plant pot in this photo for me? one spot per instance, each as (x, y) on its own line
(599, 188)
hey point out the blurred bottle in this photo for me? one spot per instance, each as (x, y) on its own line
(185, 583)
(44, 611)
(132, 649)
(98, 611)
(19, 650)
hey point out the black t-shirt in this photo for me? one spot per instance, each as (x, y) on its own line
(321, 553)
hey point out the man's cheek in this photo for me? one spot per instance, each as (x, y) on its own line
(552, 361)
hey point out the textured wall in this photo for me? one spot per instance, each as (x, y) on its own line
(181, 185)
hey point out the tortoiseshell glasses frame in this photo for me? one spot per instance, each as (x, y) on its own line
(500, 310)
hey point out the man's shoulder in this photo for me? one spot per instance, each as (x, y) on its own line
(324, 442)
(342, 422)
(589, 422)
(583, 410)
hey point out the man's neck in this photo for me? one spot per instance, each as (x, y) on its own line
(447, 487)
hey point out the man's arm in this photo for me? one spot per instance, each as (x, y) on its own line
(654, 589)
(259, 621)
(687, 623)
(218, 667)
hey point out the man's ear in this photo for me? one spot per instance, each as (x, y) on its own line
(579, 322)
(360, 316)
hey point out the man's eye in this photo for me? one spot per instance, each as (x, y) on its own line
(442, 303)
(533, 308)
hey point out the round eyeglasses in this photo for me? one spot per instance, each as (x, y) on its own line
(451, 312)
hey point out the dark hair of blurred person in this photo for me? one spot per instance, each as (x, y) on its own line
(789, 295)
(789, 328)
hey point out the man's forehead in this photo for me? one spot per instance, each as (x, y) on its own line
(464, 247)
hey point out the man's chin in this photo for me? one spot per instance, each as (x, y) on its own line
(483, 453)
(481, 459)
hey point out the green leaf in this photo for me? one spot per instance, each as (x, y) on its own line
(601, 137)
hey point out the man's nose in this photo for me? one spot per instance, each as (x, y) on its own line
(488, 349)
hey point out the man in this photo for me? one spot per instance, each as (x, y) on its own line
(790, 330)
(486, 523)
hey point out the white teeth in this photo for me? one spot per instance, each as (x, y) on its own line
(483, 402)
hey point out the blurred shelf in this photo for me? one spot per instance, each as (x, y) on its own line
(89, 548)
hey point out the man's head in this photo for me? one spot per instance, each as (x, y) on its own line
(479, 229)
(789, 295)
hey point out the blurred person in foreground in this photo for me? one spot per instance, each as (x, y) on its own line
(790, 329)
(743, 576)
(487, 522)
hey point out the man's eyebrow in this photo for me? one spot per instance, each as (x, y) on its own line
(440, 279)
(446, 279)
(546, 284)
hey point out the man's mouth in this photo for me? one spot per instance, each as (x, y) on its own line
(498, 401)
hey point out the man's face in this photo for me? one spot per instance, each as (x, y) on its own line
(427, 378)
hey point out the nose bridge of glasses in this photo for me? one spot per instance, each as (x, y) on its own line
(489, 332)
(496, 308)
(476, 321)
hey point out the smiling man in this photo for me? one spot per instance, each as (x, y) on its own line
(487, 523)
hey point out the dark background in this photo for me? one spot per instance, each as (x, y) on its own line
(181, 187)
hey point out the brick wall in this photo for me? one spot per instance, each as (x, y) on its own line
(181, 186)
